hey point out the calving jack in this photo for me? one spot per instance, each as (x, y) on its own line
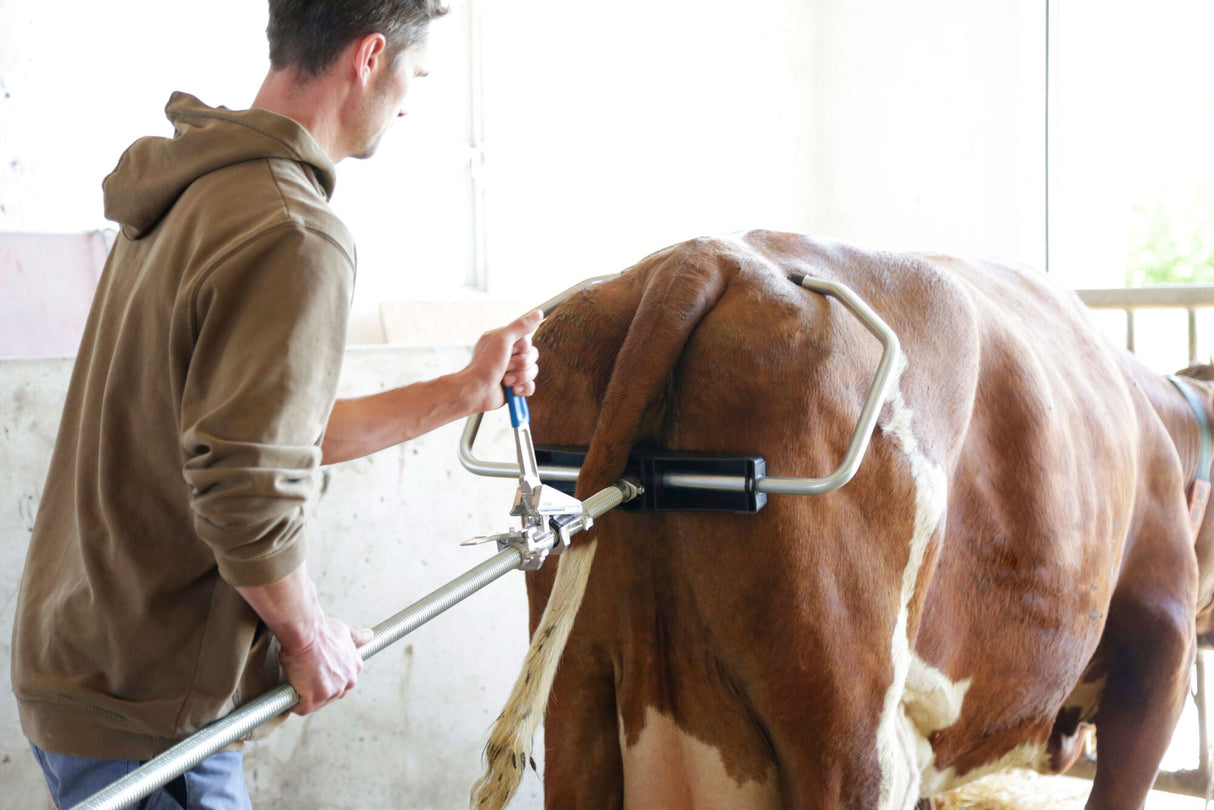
(550, 517)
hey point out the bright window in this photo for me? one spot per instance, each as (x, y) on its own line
(1130, 163)
(1131, 166)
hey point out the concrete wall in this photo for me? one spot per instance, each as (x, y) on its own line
(411, 734)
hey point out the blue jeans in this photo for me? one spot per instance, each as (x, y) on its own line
(216, 783)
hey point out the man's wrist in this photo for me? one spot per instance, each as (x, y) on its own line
(467, 393)
(297, 637)
(290, 609)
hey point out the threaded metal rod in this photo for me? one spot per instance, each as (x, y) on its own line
(457, 590)
(189, 752)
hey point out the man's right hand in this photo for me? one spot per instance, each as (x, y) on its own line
(504, 357)
(319, 654)
(326, 668)
(367, 424)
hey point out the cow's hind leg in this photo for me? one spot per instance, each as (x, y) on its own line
(585, 770)
(1149, 639)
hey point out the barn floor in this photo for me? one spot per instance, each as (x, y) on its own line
(1027, 790)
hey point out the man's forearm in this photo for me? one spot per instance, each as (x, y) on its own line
(319, 653)
(289, 608)
(364, 425)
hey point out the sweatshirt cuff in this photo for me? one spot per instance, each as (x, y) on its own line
(266, 570)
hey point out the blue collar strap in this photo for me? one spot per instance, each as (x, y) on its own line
(1200, 493)
(1203, 424)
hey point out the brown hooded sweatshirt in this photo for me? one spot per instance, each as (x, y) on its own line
(190, 438)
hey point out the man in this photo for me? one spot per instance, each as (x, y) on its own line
(167, 564)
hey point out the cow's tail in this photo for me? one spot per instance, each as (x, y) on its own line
(677, 296)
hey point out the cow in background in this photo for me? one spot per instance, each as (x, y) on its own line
(1014, 557)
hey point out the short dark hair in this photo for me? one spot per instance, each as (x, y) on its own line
(309, 34)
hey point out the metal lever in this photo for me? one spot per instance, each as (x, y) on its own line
(550, 517)
(533, 501)
(520, 420)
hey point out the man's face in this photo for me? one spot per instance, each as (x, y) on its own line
(385, 99)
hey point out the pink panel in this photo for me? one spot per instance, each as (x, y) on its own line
(46, 287)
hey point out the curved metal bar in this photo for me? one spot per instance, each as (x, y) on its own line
(501, 469)
(856, 448)
(504, 469)
(556, 300)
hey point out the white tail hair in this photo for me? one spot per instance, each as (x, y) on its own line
(508, 751)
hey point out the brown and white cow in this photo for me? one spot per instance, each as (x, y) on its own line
(1013, 557)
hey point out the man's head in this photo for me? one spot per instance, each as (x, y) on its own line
(342, 67)
(306, 36)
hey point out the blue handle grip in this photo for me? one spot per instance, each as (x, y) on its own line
(519, 414)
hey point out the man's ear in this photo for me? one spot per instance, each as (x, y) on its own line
(369, 53)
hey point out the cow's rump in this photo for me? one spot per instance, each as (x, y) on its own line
(1018, 521)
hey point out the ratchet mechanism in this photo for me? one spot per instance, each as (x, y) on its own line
(550, 517)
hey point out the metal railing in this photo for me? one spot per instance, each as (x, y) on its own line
(1188, 297)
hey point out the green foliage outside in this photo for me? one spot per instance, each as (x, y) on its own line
(1172, 240)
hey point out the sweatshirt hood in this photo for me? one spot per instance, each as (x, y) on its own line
(154, 171)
